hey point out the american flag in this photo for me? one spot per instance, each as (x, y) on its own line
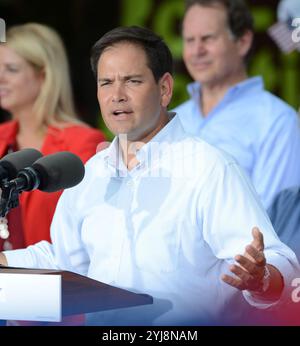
(281, 33)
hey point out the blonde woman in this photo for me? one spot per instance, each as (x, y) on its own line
(35, 88)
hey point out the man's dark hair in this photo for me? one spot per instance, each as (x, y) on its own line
(159, 57)
(239, 17)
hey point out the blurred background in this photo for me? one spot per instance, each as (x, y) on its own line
(82, 22)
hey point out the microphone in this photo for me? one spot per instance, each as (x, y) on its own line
(12, 163)
(51, 173)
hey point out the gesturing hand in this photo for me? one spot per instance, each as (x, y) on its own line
(251, 266)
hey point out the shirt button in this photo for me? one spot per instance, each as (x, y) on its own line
(129, 183)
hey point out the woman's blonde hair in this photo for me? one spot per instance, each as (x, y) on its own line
(42, 47)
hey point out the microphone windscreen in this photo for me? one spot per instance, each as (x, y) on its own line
(59, 171)
(18, 160)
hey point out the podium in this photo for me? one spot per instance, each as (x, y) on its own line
(47, 295)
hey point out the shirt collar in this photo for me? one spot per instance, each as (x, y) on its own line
(113, 156)
(248, 85)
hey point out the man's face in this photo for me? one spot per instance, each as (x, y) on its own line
(131, 101)
(210, 52)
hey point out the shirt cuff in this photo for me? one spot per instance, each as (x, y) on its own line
(19, 258)
(288, 272)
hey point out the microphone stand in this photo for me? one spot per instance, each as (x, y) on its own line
(9, 197)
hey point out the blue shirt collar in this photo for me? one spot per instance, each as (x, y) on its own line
(248, 85)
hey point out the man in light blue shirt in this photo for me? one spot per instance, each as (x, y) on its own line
(284, 213)
(230, 110)
(160, 212)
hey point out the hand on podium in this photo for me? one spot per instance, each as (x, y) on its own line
(3, 261)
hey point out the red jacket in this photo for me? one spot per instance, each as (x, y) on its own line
(38, 207)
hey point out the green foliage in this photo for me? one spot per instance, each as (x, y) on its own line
(135, 12)
(281, 72)
(167, 24)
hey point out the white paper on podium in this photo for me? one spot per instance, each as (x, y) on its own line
(30, 297)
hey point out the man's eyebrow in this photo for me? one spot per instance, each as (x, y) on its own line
(103, 79)
(132, 76)
(127, 77)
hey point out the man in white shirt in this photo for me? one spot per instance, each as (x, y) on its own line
(158, 211)
(229, 110)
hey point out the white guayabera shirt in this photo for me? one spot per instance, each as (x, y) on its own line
(168, 228)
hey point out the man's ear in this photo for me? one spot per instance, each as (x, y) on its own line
(245, 43)
(166, 89)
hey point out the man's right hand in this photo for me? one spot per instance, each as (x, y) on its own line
(3, 260)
